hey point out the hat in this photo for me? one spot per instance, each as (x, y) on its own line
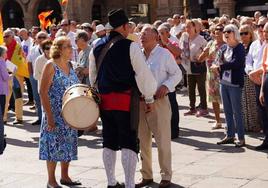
(108, 26)
(99, 28)
(117, 18)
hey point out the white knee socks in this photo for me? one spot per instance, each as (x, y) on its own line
(129, 162)
(109, 160)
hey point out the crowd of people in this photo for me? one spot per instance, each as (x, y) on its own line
(224, 59)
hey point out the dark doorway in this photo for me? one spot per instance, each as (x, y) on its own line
(12, 14)
(46, 5)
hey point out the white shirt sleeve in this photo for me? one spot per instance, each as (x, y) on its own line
(37, 69)
(92, 68)
(143, 75)
(174, 72)
(249, 61)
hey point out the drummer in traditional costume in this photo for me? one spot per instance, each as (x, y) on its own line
(118, 66)
(58, 142)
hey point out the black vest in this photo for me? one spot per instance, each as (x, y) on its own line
(116, 73)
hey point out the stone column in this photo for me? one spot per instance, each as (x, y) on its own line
(225, 7)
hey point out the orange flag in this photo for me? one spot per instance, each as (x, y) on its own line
(42, 19)
(64, 2)
(1, 31)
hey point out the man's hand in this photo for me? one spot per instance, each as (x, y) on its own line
(161, 92)
(255, 77)
(261, 98)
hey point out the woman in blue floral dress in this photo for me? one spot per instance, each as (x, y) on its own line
(58, 142)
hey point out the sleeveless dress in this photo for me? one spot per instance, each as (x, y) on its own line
(61, 144)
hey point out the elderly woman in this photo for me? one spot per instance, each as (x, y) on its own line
(250, 110)
(192, 45)
(231, 68)
(209, 54)
(58, 142)
(4, 78)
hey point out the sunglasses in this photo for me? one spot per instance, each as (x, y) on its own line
(47, 48)
(219, 29)
(243, 33)
(260, 25)
(42, 37)
(6, 36)
(229, 31)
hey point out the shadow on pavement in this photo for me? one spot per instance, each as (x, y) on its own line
(156, 185)
(16, 142)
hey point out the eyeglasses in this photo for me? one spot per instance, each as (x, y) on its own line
(6, 36)
(260, 25)
(229, 31)
(67, 46)
(64, 25)
(47, 48)
(219, 29)
(42, 37)
(243, 33)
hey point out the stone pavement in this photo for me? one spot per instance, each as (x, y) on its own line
(197, 161)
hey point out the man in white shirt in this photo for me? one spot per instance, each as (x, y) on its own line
(27, 41)
(35, 52)
(177, 28)
(66, 28)
(168, 75)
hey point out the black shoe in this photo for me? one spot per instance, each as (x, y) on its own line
(226, 140)
(263, 146)
(118, 185)
(144, 182)
(37, 122)
(70, 183)
(174, 136)
(17, 122)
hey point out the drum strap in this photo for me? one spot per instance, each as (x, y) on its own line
(104, 51)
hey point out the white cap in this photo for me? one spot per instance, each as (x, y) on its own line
(99, 28)
(108, 26)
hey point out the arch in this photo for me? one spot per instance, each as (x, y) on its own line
(12, 13)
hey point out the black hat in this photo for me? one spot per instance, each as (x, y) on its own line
(117, 18)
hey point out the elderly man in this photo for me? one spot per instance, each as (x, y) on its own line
(88, 28)
(119, 67)
(35, 52)
(15, 54)
(174, 48)
(168, 75)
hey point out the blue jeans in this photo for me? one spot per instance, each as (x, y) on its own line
(232, 104)
(36, 96)
(2, 139)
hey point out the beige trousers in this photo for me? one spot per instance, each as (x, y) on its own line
(18, 102)
(158, 123)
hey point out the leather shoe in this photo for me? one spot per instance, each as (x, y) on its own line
(18, 121)
(164, 184)
(50, 186)
(226, 140)
(262, 147)
(37, 122)
(70, 183)
(144, 182)
(118, 185)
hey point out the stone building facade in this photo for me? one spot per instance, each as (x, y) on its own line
(23, 13)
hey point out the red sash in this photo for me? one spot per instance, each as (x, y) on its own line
(10, 49)
(116, 101)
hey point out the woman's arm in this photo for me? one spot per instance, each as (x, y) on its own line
(46, 82)
(238, 60)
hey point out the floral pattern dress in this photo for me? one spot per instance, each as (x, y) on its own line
(61, 144)
(213, 78)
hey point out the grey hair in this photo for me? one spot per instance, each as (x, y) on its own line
(9, 32)
(41, 33)
(165, 26)
(3, 49)
(234, 29)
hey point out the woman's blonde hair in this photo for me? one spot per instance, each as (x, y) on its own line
(249, 29)
(56, 48)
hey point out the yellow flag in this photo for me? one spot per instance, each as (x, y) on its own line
(1, 30)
